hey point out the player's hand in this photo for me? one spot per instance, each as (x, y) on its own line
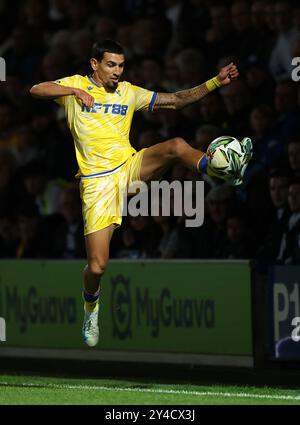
(228, 74)
(85, 98)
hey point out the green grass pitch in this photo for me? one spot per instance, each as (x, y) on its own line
(26, 390)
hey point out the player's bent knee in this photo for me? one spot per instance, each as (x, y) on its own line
(97, 266)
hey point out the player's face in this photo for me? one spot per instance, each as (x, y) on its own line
(109, 69)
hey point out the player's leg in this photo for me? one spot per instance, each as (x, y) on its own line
(97, 248)
(158, 158)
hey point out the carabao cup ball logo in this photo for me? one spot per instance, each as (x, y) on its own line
(121, 308)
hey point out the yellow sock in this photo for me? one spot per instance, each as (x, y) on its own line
(91, 306)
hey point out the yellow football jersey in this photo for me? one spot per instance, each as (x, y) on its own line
(101, 133)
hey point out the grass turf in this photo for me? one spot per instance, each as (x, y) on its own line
(33, 390)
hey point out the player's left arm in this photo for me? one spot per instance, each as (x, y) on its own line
(182, 98)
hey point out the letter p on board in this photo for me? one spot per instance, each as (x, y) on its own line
(2, 69)
(2, 330)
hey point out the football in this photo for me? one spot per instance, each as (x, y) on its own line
(227, 158)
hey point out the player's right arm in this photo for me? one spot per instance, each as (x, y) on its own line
(50, 90)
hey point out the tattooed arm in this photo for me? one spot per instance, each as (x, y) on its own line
(182, 98)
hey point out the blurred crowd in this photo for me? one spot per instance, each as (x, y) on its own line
(170, 45)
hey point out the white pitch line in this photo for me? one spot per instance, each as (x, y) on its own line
(158, 390)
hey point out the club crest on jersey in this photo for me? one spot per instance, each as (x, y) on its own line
(106, 108)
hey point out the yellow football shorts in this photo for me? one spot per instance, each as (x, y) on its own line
(103, 197)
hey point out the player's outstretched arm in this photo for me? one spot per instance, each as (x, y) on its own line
(49, 90)
(182, 98)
